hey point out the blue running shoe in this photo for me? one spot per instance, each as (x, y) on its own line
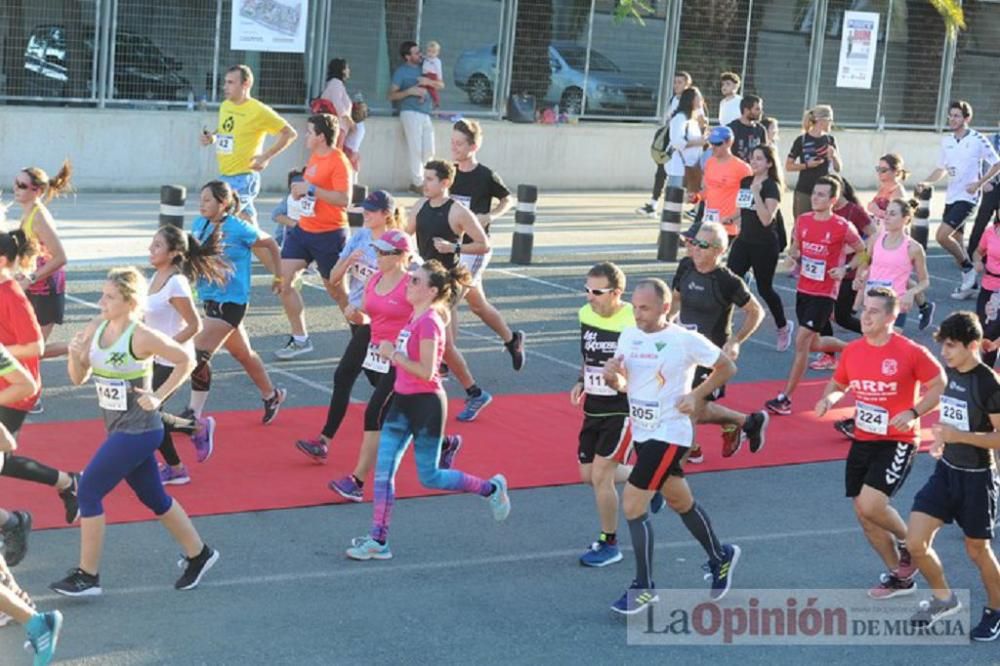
(721, 572)
(347, 488)
(367, 548)
(635, 599)
(43, 636)
(656, 503)
(601, 554)
(500, 500)
(475, 405)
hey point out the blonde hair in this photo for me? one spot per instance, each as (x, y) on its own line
(51, 186)
(131, 284)
(432, 45)
(815, 114)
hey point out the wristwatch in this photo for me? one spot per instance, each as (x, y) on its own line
(458, 248)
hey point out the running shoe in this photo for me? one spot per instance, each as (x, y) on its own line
(646, 210)
(755, 430)
(449, 449)
(845, 427)
(78, 583)
(823, 362)
(785, 336)
(656, 503)
(732, 440)
(16, 539)
(934, 609)
(926, 315)
(37, 408)
(347, 488)
(316, 449)
(203, 438)
(499, 499)
(367, 548)
(474, 405)
(516, 350)
(70, 500)
(780, 405)
(195, 567)
(601, 554)
(293, 349)
(691, 213)
(988, 628)
(695, 456)
(273, 404)
(906, 569)
(635, 599)
(960, 294)
(174, 477)
(890, 585)
(721, 572)
(42, 636)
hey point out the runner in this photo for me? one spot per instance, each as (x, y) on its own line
(439, 227)
(987, 258)
(723, 174)
(885, 371)
(963, 154)
(819, 239)
(239, 138)
(655, 364)
(891, 174)
(704, 295)
(226, 305)
(322, 230)
(119, 350)
(757, 245)
(419, 408)
(964, 485)
(475, 187)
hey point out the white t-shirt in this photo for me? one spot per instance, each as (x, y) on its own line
(355, 137)
(337, 94)
(966, 161)
(729, 110)
(433, 66)
(683, 130)
(660, 368)
(164, 317)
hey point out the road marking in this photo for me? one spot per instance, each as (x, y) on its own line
(529, 278)
(80, 301)
(529, 351)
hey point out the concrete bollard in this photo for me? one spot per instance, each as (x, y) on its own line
(355, 216)
(172, 205)
(922, 216)
(524, 225)
(670, 224)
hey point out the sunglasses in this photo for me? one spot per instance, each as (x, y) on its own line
(882, 169)
(697, 242)
(21, 186)
(598, 292)
(388, 253)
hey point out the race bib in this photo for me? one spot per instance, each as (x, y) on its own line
(951, 172)
(294, 208)
(404, 337)
(224, 144)
(955, 412)
(362, 272)
(871, 418)
(307, 205)
(593, 381)
(465, 201)
(374, 361)
(814, 269)
(645, 414)
(744, 199)
(711, 215)
(112, 394)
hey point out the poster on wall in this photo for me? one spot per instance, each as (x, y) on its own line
(858, 46)
(269, 25)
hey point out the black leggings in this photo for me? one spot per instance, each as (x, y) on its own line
(171, 423)
(19, 467)
(347, 372)
(989, 205)
(991, 326)
(763, 259)
(843, 309)
(659, 180)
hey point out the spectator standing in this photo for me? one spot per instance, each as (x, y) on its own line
(813, 155)
(748, 133)
(337, 72)
(729, 107)
(409, 89)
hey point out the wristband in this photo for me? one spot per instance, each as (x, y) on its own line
(916, 414)
(579, 380)
(311, 190)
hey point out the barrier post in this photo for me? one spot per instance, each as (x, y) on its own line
(922, 216)
(670, 224)
(524, 225)
(172, 205)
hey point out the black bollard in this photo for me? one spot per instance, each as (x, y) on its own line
(670, 224)
(524, 225)
(922, 216)
(172, 205)
(355, 216)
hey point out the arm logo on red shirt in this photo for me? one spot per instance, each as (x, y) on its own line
(889, 367)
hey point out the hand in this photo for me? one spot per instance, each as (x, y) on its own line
(822, 407)
(148, 400)
(485, 219)
(972, 188)
(815, 162)
(904, 421)
(23, 281)
(988, 187)
(417, 91)
(941, 433)
(386, 349)
(576, 394)
(731, 349)
(755, 188)
(687, 404)
(838, 272)
(443, 246)
(978, 265)
(79, 346)
(206, 138)
(277, 285)
(259, 162)
(355, 316)
(859, 283)
(355, 257)
(789, 263)
(990, 345)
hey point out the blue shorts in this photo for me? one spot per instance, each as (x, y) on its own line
(955, 214)
(323, 247)
(968, 497)
(247, 187)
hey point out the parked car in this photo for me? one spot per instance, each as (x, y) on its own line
(608, 90)
(141, 69)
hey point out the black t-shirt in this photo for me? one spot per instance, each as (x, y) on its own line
(476, 190)
(967, 402)
(808, 147)
(751, 229)
(746, 138)
(707, 299)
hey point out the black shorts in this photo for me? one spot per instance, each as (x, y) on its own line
(49, 308)
(882, 465)
(813, 311)
(968, 497)
(955, 214)
(655, 461)
(231, 313)
(701, 373)
(12, 419)
(605, 436)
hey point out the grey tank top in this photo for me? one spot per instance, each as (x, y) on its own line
(117, 373)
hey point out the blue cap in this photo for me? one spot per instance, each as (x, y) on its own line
(379, 200)
(719, 135)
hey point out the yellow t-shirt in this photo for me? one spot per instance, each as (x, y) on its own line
(240, 134)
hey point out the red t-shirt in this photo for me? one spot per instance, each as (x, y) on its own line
(18, 326)
(885, 381)
(823, 245)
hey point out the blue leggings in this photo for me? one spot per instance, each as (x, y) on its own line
(126, 456)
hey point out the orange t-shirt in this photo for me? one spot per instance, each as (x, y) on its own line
(328, 172)
(722, 185)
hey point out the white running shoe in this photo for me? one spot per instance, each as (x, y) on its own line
(293, 349)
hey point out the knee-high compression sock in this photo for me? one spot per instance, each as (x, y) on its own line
(201, 381)
(642, 543)
(26, 469)
(698, 524)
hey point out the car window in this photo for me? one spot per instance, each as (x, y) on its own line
(576, 58)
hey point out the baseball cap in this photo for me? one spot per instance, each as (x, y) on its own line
(394, 239)
(379, 200)
(719, 135)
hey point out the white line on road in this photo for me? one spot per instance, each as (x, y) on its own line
(529, 351)
(554, 285)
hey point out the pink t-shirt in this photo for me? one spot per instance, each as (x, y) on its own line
(389, 313)
(990, 245)
(427, 326)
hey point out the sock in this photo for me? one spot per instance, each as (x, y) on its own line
(380, 542)
(697, 523)
(493, 489)
(782, 396)
(610, 538)
(301, 339)
(473, 391)
(642, 542)
(361, 484)
(198, 400)
(966, 266)
(510, 343)
(652, 203)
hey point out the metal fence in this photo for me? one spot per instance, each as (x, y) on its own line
(570, 53)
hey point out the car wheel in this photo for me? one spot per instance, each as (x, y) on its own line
(479, 89)
(572, 101)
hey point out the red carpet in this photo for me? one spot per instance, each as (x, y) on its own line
(530, 438)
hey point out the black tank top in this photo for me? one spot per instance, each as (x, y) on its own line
(433, 223)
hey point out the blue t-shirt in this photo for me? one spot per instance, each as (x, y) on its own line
(405, 77)
(359, 273)
(237, 238)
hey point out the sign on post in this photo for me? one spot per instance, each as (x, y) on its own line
(858, 46)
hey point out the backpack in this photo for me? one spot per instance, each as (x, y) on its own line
(660, 149)
(322, 105)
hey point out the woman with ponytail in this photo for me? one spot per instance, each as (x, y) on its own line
(813, 154)
(891, 174)
(987, 262)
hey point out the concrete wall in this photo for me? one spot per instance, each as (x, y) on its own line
(129, 150)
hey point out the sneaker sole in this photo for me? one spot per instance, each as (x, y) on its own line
(90, 592)
(359, 557)
(204, 570)
(520, 352)
(986, 639)
(763, 435)
(597, 565)
(779, 411)
(729, 577)
(178, 482)
(895, 593)
(316, 459)
(502, 485)
(938, 618)
(346, 496)
(638, 610)
(289, 357)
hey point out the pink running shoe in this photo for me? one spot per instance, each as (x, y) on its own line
(203, 438)
(824, 362)
(174, 477)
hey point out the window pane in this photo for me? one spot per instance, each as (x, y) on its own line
(977, 63)
(778, 57)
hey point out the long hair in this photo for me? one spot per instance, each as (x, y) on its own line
(447, 282)
(774, 171)
(197, 261)
(54, 186)
(223, 193)
(335, 69)
(17, 248)
(685, 103)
